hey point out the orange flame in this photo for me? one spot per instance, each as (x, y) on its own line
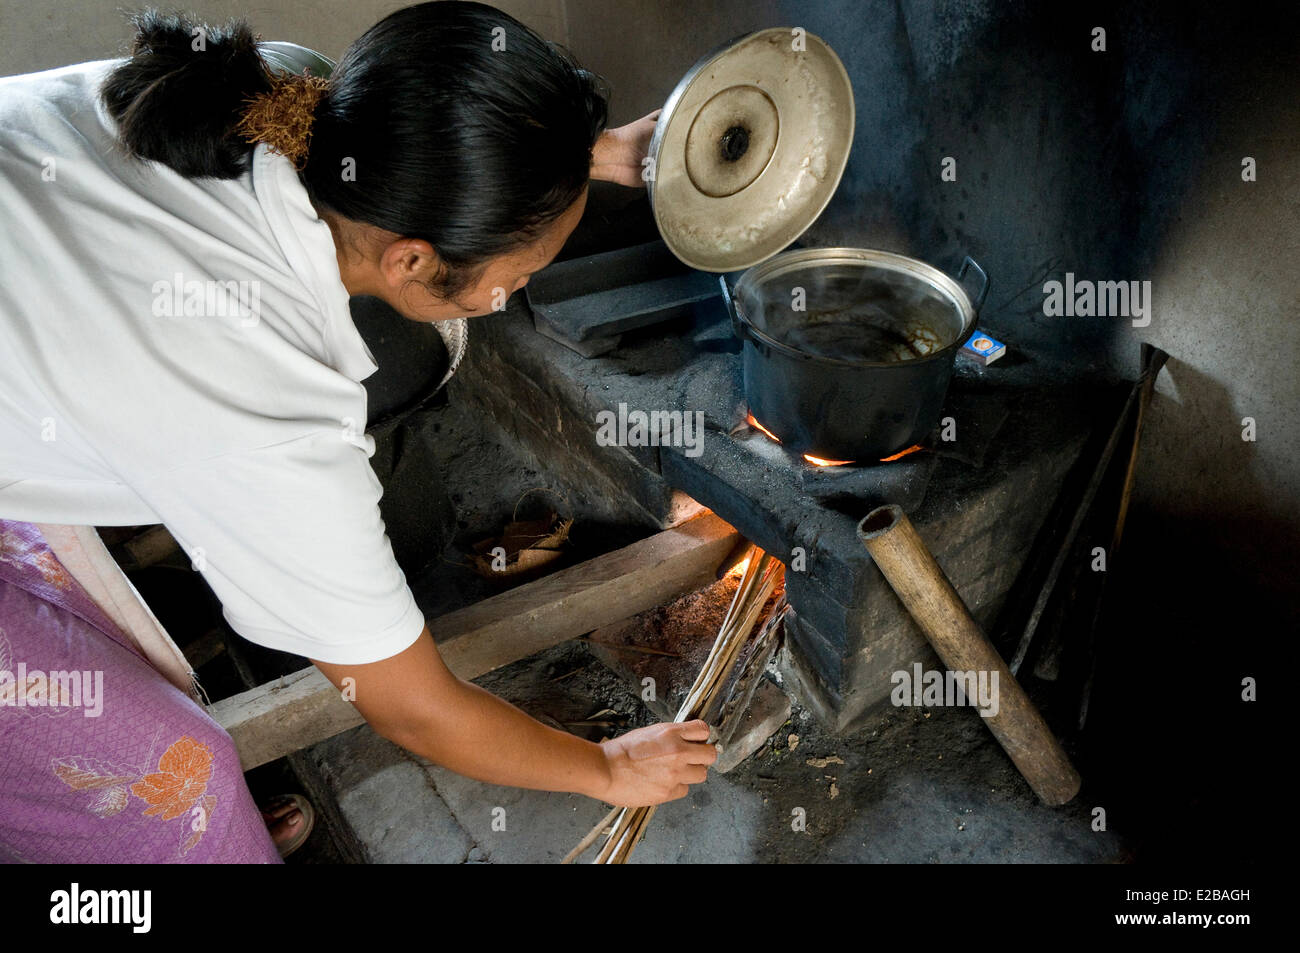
(754, 423)
(819, 462)
(822, 461)
(740, 567)
(902, 453)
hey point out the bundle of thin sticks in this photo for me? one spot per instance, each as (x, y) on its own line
(761, 577)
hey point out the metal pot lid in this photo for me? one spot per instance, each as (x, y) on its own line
(749, 148)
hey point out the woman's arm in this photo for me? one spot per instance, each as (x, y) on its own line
(292, 541)
(415, 701)
(618, 153)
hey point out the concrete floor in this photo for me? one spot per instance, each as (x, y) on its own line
(915, 786)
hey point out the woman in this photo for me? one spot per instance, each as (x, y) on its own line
(182, 234)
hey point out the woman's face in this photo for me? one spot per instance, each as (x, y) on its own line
(405, 267)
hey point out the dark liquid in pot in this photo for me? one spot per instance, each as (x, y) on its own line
(856, 315)
(870, 343)
(869, 334)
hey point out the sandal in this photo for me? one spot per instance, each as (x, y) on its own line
(278, 807)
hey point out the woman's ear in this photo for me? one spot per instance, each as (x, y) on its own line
(404, 260)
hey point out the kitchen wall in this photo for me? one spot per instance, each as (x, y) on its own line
(1204, 94)
(643, 49)
(36, 36)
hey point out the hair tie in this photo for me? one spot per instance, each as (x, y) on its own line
(282, 116)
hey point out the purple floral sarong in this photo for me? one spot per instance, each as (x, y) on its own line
(102, 760)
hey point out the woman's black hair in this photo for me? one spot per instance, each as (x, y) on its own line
(448, 121)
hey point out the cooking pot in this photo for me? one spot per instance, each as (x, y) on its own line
(848, 352)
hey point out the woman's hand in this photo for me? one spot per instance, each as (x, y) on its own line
(415, 701)
(656, 763)
(618, 153)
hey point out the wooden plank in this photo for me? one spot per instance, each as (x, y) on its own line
(280, 717)
(574, 601)
(299, 710)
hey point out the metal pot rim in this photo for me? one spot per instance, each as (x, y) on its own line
(867, 258)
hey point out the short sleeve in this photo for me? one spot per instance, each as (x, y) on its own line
(291, 540)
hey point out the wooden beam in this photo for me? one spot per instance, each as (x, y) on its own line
(299, 710)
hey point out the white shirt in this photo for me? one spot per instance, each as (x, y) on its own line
(138, 386)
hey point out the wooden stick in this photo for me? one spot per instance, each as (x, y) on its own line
(1153, 359)
(928, 595)
(760, 579)
(1066, 547)
(590, 839)
(746, 583)
(740, 620)
(639, 649)
(726, 710)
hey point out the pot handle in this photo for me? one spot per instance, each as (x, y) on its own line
(731, 307)
(969, 264)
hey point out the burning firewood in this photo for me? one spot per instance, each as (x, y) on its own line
(762, 575)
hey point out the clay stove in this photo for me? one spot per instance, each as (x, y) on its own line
(979, 497)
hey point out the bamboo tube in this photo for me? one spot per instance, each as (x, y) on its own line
(923, 588)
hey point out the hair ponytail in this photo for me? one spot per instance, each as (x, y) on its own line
(179, 97)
